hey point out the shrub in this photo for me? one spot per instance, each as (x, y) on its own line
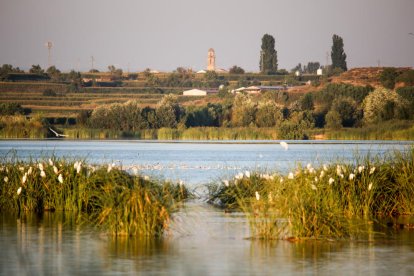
(382, 105)
(49, 93)
(388, 77)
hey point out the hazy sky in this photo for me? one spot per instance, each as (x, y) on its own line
(165, 34)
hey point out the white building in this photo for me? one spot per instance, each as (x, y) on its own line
(319, 72)
(195, 92)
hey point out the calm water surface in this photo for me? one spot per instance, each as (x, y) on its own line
(202, 240)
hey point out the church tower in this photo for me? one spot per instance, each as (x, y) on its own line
(211, 60)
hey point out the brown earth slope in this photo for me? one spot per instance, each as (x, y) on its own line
(363, 76)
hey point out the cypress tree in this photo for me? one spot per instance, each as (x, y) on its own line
(268, 55)
(338, 55)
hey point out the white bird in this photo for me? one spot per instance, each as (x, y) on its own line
(57, 134)
(284, 145)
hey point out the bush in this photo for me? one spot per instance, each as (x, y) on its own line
(11, 109)
(382, 105)
(406, 77)
(388, 77)
(49, 93)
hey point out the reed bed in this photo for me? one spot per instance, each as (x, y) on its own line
(333, 201)
(106, 196)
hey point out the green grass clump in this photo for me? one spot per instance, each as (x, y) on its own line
(332, 201)
(119, 203)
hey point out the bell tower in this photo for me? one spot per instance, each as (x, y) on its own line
(211, 60)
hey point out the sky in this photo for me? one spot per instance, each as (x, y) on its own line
(165, 34)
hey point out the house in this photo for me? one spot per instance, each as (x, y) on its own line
(195, 92)
(257, 89)
(319, 72)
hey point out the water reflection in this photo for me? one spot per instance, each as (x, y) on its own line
(202, 241)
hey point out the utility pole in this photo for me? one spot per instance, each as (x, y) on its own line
(261, 61)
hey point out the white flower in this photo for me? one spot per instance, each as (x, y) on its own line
(351, 176)
(19, 190)
(313, 187)
(322, 174)
(55, 169)
(40, 165)
(6, 179)
(338, 170)
(325, 167)
(29, 172)
(341, 175)
(146, 177)
(50, 162)
(60, 178)
(109, 168)
(311, 170)
(331, 180)
(181, 183)
(290, 176)
(247, 173)
(226, 183)
(361, 168)
(370, 186)
(257, 195)
(24, 178)
(42, 174)
(79, 168)
(239, 175)
(316, 179)
(21, 169)
(281, 180)
(372, 170)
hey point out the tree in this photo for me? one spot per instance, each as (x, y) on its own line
(36, 69)
(243, 111)
(384, 104)
(54, 73)
(6, 69)
(306, 102)
(236, 70)
(168, 111)
(268, 114)
(347, 109)
(116, 74)
(338, 55)
(76, 82)
(333, 119)
(268, 55)
(297, 68)
(311, 68)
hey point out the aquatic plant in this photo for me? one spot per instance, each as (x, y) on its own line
(112, 199)
(329, 201)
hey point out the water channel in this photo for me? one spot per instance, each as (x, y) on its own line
(202, 240)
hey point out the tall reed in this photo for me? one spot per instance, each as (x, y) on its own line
(329, 201)
(119, 203)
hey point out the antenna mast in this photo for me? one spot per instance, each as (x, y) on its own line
(49, 46)
(92, 61)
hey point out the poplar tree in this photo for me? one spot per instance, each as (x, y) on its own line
(338, 55)
(268, 55)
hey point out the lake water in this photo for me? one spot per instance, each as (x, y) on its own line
(202, 240)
